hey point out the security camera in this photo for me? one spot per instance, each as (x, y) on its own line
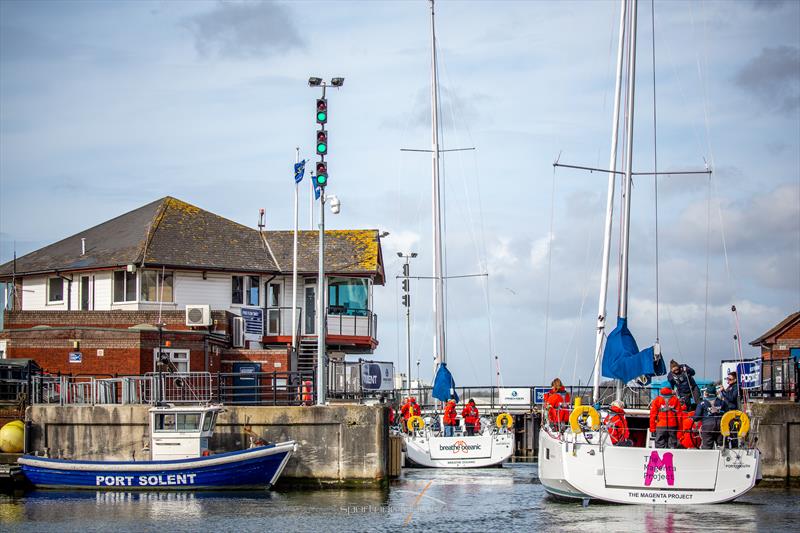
(336, 205)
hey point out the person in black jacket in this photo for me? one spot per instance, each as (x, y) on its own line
(730, 395)
(682, 380)
(709, 413)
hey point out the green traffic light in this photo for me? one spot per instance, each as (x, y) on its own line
(322, 180)
(322, 116)
(322, 148)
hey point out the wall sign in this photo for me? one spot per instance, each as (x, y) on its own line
(377, 376)
(515, 396)
(253, 323)
(75, 357)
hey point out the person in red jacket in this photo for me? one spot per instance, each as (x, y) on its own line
(688, 434)
(557, 398)
(664, 419)
(470, 414)
(405, 414)
(617, 425)
(413, 408)
(450, 420)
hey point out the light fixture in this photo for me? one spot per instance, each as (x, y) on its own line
(383, 234)
(314, 82)
(336, 205)
(414, 254)
(337, 82)
(399, 254)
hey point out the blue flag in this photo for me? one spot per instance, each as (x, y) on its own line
(316, 187)
(444, 386)
(299, 170)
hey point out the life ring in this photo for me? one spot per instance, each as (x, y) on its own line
(582, 411)
(414, 421)
(730, 416)
(504, 419)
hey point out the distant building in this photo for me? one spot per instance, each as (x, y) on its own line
(780, 353)
(91, 303)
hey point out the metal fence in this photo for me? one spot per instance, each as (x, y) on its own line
(779, 379)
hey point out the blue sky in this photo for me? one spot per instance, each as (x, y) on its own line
(106, 106)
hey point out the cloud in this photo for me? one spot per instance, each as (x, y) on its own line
(773, 77)
(768, 5)
(452, 107)
(243, 30)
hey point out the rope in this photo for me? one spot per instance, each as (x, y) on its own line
(655, 155)
(549, 271)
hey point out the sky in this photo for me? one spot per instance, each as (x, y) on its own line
(107, 106)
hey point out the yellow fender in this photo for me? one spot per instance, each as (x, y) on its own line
(415, 421)
(727, 418)
(581, 411)
(504, 419)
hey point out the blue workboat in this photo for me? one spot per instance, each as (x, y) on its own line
(181, 460)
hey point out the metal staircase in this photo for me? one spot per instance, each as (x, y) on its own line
(307, 355)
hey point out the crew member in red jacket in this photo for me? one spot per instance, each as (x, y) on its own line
(557, 398)
(450, 420)
(688, 434)
(664, 419)
(470, 414)
(617, 425)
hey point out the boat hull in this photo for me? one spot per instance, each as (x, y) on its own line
(477, 451)
(255, 468)
(582, 470)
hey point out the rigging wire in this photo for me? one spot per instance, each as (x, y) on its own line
(708, 238)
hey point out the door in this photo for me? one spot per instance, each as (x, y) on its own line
(311, 309)
(84, 293)
(273, 292)
(245, 383)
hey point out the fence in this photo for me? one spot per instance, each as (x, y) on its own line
(345, 381)
(779, 379)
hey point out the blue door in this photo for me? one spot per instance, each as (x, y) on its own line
(245, 383)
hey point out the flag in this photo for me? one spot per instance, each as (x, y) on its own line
(444, 386)
(316, 187)
(299, 170)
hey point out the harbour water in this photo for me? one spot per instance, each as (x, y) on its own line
(502, 499)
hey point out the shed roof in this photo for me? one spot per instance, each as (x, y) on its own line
(783, 325)
(172, 233)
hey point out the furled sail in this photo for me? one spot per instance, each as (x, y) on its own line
(622, 359)
(444, 386)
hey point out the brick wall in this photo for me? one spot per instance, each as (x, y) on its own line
(272, 360)
(113, 319)
(788, 339)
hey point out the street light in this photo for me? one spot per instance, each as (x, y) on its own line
(322, 180)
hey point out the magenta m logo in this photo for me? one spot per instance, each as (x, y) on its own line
(657, 463)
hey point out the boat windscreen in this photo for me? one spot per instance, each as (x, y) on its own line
(208, 423)
(188, 422)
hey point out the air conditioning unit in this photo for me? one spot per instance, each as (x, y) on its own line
(198, 315)
(237, 332)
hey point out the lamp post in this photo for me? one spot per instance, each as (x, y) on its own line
(407, 304)
(322, 118)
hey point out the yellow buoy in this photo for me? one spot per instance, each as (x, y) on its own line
(12, 437)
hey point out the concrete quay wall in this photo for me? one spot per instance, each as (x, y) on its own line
(337, 445)
(779, 439)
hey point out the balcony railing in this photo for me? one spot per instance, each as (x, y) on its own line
(341, 320)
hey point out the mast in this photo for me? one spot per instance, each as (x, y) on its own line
(612, 166)
(438, 281)
(626, 214)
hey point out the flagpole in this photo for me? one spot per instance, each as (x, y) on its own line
(311, 202)
(294, 253)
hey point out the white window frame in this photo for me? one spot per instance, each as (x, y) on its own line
(125, 291)
(177, 356)
(248, 287)
(140, 284)
(244, 290)
(63, 291)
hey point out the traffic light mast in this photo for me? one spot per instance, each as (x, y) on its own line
(406, 300)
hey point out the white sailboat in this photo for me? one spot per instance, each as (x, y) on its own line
(425, 447)
(579, 462)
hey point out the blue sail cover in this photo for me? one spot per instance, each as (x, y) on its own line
(622, 359)
(444, 385)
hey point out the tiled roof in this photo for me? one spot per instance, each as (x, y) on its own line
(782, 325)
(176, 234)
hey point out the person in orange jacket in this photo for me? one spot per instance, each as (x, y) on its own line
(688, 434)
(450, 418)
(617, 425)
(557, 398)
(471, 415)
(414, 409)
(664, 418)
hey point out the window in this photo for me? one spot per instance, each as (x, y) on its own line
(175, 360)
(124, 286)
(165, 422)
(188, 422)
(55, 290)
(156, 286)
(274, 297)
(252, 290)
(348, 296)
(208, 423)
(237, 289)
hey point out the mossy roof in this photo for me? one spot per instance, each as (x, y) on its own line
(175, 234)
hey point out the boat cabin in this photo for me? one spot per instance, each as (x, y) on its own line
(181, 432)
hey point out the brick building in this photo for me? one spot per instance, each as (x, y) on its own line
(780, 353)
(91, 303)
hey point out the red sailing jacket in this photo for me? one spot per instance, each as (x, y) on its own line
(470, 414)
(450, 413)
(617, 425)
(414, 409)
(688, 436)
(558, 400)
(664, 411)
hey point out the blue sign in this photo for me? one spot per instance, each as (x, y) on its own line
(253, 320)
(749, 373)
(75, 357)
(377, 376)
(538, 394)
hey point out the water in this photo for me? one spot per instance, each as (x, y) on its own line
(488, 500)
